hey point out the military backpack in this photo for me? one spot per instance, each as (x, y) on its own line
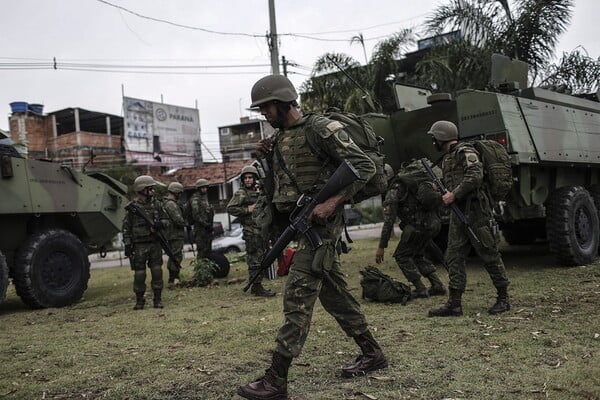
(497, 171)
(363, 135)
(379, 287)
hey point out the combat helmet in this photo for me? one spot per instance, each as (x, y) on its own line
(249, 169)
(444, 131)
(175, 187)
(142, 182)
(201, 183)
(272, 88)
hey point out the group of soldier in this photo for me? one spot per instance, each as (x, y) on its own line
(297, 168)
(152, 224)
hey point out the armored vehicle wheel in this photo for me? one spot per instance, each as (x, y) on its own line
(595, 192)
(3, 277)
(222, 264)
(51, 269)
(572, 226)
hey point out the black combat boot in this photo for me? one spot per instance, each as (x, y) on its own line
(452, 308)
(271, 386)
(420, 291)
(259, 290)
(437, 287)
(139, 301)
(501, 302)
(371, 359)
(157, 299)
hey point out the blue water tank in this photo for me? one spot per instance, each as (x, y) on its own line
(18, 106)
(36, 108)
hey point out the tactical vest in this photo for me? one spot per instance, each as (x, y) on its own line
(171, 230)
(250, 197)
(140, 231)
(205, 210)
(305, 170)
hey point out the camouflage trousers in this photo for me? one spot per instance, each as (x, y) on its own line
(410, 252)
(203, 243)
(317, 275)
(460, 242)
(149, 255)
(177, 246)
(255, 249)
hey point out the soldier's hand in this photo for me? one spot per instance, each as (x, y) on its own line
(448, 198)
(251, 207)
(128, 250)
(379, 255)
(264, 147)
(323, 211)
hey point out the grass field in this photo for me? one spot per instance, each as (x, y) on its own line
(208, 341)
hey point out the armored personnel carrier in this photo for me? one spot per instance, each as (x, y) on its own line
(553, 140)
(51, 218)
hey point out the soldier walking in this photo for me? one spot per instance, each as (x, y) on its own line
(203, 215)
(141, 246)
(412, 198)
(463, 175)
(241, 205)
(174, 228)
(314, 274)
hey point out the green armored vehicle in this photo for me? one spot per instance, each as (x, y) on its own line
(51, 218)
(553, 140)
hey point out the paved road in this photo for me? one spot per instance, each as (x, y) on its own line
(117, 258)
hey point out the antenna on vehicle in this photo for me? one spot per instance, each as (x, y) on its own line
(368, 98)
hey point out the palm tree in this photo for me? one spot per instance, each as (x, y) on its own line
(360, 39)
(528, 32)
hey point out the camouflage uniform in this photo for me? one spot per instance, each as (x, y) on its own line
(174, 229)
(255, 242)
(146, 249)
(315, 273)
(420, 223)
(463, 175)
(202, 214)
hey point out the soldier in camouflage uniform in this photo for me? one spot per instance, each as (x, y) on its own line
(314, 274)
(241, 206)
(141, 246)
(174, 229)
(203, 215)
(463, 176)
(414, 200)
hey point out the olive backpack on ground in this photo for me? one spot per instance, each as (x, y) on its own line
(363, 136)
(379, 287)
(497, 171)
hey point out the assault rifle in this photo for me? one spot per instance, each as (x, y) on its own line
(164, 243)
(459, 214)
(343, 176)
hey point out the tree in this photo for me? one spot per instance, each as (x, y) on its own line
(575, 73)
(528, 32)
(360, 39)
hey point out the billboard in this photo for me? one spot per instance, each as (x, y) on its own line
(160, 129)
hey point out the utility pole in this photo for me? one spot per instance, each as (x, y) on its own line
(272, 39)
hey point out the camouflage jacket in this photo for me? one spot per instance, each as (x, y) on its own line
(135, 228)
(202, 212)
(238, 207)
(463, 171)
(172, 220)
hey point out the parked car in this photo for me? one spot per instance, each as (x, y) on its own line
(230, 242)
(218, 229)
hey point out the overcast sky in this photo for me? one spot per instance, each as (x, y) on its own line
(93, 32)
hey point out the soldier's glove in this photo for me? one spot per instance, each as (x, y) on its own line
(128, 250)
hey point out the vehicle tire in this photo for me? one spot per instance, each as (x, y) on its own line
(3, 277)
(595, 192)
(51, 269)
(222, 264)
(572, 226)
(231, 249)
